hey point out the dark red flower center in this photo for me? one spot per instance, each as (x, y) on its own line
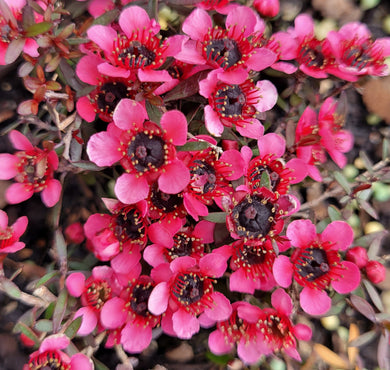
(253, 217)
(163, 202)
(97, 293)
(230, 100)
(147, 152)
(6, 236)
(48, 360)
(136, 55)
(139, 298)
(203, 179)
(109, 95)
(34, 169)
(312, 55)
(224, 52)
(128, 225)
(313, 263)
(358, 56)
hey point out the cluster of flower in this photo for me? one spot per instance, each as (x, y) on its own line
(167, 185)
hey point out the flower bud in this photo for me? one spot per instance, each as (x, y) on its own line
(357, 255)
(75, 233)
(267, 8)
(229, 144)
(375, 271)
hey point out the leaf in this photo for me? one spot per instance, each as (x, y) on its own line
(383, 351)
(69, 76)
(385, 149)
(363, 339)
(375, 245)
(38, 28)
(44, 279)
(334, 213)
(11, 289)
(87, 165)
(154, 113)
(193, 146)
(220, 360)
(99, 365)
(183, 2)
(74, 326)
(330, 357)
(14, 49)
(77, 40)
(340, 178)
(66, 31)
(44, 326)
(60, 245)
(28, 16)
(367, 207)
(216, 217)
(59, 310)
(375, 297)
(265, 180)
(363, 307)
(107, 17)
(22, 328)
(186, 88)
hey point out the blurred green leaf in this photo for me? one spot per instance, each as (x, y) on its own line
(15, 47)
(363, 339)
(107, 17)
(44, 279)
(71, 330)
(60, 245)
(99, 365)
(265, 180)
(369, 4)
(216, 217)
(367, 207)
(49, 311)
(220, 360)
(367, 162)
(44, 326)
(154, 113)
(340, 178)
(385, 149)
(372, 292)
(334, 213)
(193, 146)
(11, 289)
(87, 165)
(38, 28)
(22, 328)
(59, 310)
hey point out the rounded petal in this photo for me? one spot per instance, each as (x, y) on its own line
(339, 233)
(131, 189)
(151, 75)
(204, 230)
(125, 261)
(17, 193)
(185, 325)
(129, 114)
(135, 338)
(314, 301)
(262, 59)
(110, 70)
(154, 255)
(8, 163)
(221, 309)
(253, 130)
(213, 265)
(239, 282)
(87, 71)
(158, 299)
(102, 149)
(160, 235)
(51, 194)
(242, 19)
(54, 342)
(75, 283)
(182, 263)
(194, 207)
(250, 351)
(19, 226)
(301, 233)
(89, 320)
(282, 301)
(269, 95)
(175, 177)
(113, 313)
(350, 279)
(217, 343)
(271, 144)
(80, 361)
(175, 124)
(19, 141)
(302, 332)
(299, 170)
(135, 19)
(235, 162)
(283, 271)
(103, 36)
(85, 109)
(212, 121)
(197, 24)
(31, 48)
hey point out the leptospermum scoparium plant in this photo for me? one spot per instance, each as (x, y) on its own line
(196, 131)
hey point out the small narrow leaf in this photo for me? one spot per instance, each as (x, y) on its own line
(334, 213)
(193, 146)
(44, 279)
(265, 180)
(330, 357)
(216, 217)
(22, 328)
(383, 351)
(339, 177)
(367, 162)
(11, 289)
(363, 307)
(107, 17)
(375, 297)
(154, 113)
(44, 326)
(367, 207)
(86, 165)
(15, 47)
(385, 149)
(363, 339)
(71, 330)
(99, 365)
(38, 28)
(59, 310)
(60, 245)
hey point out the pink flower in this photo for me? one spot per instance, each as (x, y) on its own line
(357, 255)
(236, 105)
(277, 331)
(316, 263)
(49, 355)
(356, 53)
(220, 6)
(94, 292)
(184, 290)
(12, 35)
(375, 272)
(138, 49)
(9, 235)
(146, 151)
(233, 49)
(75, 233)
(267, 8)
(33, 169)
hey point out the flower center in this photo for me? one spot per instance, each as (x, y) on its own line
(109, 95)
(33, 169)
(48, 360)
(163, 202)
(203, 178)
(139, 299)
(147, 152)
(311, 54)
(98, 292)
(312, 263)
(224, 52)
(188, 289)
(136, 55)
(230, 100)
(253, 217)
(356, 56)
(5, 237)
(128, 225)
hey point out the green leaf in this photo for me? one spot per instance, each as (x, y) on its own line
(216, 217)
(44, 279)
(375, 297)
(334, 213)
(71, 330)
(86, 165)
(77, 40)
(11, 289)
(154, 113)
(59, 310)
(38, 28)
(220, 360)
(99, 365)
(14, 49)
(363, 307)
(368, 4)
(363, 339)
(365, 206)
(107, 17)
(22, 328)
(367, 162)
(340, 178)
(193, 146)
(49, 311)
(265, 180)
(44, 326)
(60, 244)
(385, 149)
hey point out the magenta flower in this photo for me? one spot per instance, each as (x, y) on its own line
(316, 264)
(267, 8)
(236, 105)
(184, 290)
(146, 151)
(50, 355)
(356, 53)
(33, 169)
(233, 49)
(138, 50)
(277, 331)
(9, 235)
(130, 313)
(94, 292)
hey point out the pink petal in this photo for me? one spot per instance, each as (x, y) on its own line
(236, 163)
(204, 230)
(253, 130)
(135, 338)
(212, 121)
(102, 273)
(129, 114)
(217, 343)
(269, 95)
(304, 25)
(237, 77)
(239, 282)
(85, 109)
(160, 235)
(350, 279)
(242, 19)
(80, 361)
(213, 265)
(154, 255)
(208, 85)
(282, 301)
(3, 219)
(161, 273)
(54, 342)
(314, 302)
(31, 48)
(182, 264)
(113, 313)
(197, 24)
(89, 320)
(251, 351)
(299, 170)
(151, 75)
(301, 233)
(194, 207)
(205, 321)
(125, 261)
(103, 36)
(111, 71)
(292, 352)
(131, 189)
(185, 325)
(175, 177)
(75, 283)
(51, 194)
(262, 59)
(189, 54)
(283, 271)
(8, 168)
(248, 312)
(95, 224)
(87, 71)
(103, 150)
(135, 19)
(339, 233)
(221, 309)
(302, 332)
(17, 193)
(19, 141)
(271, 144)
(175, 124)
(158, 299)
(19, 226)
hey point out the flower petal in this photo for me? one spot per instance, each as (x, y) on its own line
(221, 309)
(19, 141)
(283, 271)
(175, 123)
(185, 325)
(158, 299)
(81, 361)
(314, 301)
(175, 177)
(131, 189)
(339, 233)
(129, 114)
(213, 265)
(197, 24)
(8, 168)
(103, 36)
(85, 109)
(75, 283)
(350, 279)
(271, 144)
(135, 338)
(17, 193)
(301, 233)
(218, 344)
(51, 194)
(282, 301)
(89, 320)
(113, 313)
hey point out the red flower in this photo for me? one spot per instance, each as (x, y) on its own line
(267, 8)
(375, 271)
(33, 169)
